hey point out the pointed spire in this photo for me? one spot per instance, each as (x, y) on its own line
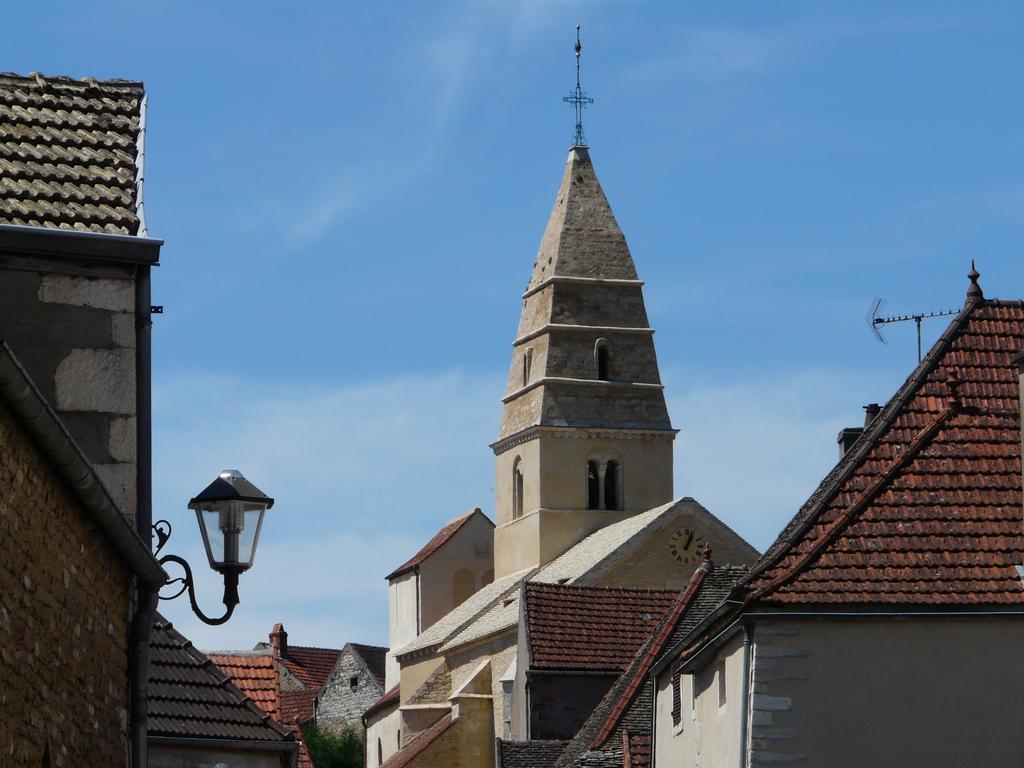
(974, 290)
(582, 238)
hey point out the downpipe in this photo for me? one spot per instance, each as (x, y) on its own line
(142, 628)
(745, 697)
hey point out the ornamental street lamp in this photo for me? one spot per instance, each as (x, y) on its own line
(230, 514)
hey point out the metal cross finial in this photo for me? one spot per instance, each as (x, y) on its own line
(578, 98)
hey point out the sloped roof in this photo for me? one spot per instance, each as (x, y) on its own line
(256, 676)
(374, 656)
(310, 665)
(297, 706)
(926, 509)
(495, 607)
(529, 754)
(390, 698)
(591, 628)
(70, 153)
(420, 744)
(438, 540)
(191, 697)
(628, 705)
(582, 238)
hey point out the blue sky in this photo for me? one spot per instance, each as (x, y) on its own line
(352, 195)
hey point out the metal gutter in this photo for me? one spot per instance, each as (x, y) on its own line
(53, 438)
(51, 243)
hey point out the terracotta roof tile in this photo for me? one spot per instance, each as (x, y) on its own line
(190, 696)
(591, 628)
(926, 509)
(68, 152)
(255, 675)
(297, 706)
(311, 665)
(439, 539)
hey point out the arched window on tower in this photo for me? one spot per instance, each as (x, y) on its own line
(593, 486)
(517, 489)
(527, 364)
(611, 486)
(602, 359)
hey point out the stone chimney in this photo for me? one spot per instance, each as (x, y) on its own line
(279, 640)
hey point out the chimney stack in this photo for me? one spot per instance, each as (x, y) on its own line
(847, 437)
(279, 640)
(870, 411)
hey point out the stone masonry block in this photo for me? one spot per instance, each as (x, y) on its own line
(119, 480)
(122, 330)
(101, 293)
(97, 380)
(121, 440)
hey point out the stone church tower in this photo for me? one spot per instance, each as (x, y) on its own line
(585, 435)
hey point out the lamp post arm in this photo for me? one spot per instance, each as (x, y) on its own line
(188, 585)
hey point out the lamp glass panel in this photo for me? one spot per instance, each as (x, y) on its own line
(252, 515)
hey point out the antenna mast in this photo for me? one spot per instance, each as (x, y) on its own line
(578, 98)
(876, 321)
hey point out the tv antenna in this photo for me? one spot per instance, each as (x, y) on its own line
(876, 321)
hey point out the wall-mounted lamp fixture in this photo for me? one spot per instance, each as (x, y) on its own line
(230, 513)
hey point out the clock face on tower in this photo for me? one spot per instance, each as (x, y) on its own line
(686, 545)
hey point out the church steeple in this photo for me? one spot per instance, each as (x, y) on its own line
(585, 436)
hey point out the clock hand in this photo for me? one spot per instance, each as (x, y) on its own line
(689, 540)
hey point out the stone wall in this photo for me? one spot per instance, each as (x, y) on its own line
(64, 614)
(341, 703)
(75, 335)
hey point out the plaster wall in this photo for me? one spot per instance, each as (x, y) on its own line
(403, 620)
(708, 735)
(383, 729)
(501, 650)
(911, 693)
(470, 549)
(75, 334)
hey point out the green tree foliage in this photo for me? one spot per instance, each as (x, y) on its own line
(334, 749)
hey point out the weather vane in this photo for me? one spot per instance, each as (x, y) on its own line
(578, 98)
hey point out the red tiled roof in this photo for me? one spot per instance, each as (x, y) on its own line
(436, 542)
(389, 699)
(926, 509)
(297, 706)
(636, 749)
(256, 675)
(592, 628)
(417, 746)
(311, 665)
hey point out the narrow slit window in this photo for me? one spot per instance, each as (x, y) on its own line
(380, 753)
(593, 487)
(611, 486)
(517, 489)
(603, 361)
(527, 363)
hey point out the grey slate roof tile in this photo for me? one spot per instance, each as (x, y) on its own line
(189, 696)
